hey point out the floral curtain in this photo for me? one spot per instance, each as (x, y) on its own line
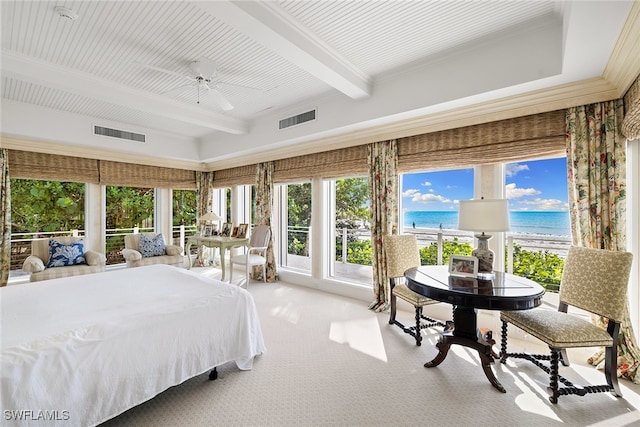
(596, 162)
(5, 217)
(264, 206)
(383, 189)
(204, 204)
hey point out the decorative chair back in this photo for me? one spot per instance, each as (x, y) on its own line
(596, 280)
(402, 253)
(260, 237)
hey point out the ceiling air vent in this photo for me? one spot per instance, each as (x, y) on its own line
(116, 133)
(298, 119)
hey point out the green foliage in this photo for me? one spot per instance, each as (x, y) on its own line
(46, 206)
(299, 218)
(129, 207)
(352, 202)
(184, 207)
(542, 267)
(429, 254)
(358, 252)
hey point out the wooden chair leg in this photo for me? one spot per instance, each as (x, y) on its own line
(503, 343)
(553, 376)
(611, 369)
(264, 273)
(418, 328)
(392, 309)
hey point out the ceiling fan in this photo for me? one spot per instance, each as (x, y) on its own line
(202, 77)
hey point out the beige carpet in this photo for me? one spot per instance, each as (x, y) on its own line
(332, 362)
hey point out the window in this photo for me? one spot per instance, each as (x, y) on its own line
(43, 209)
(429, 207)
(295, 221)
(540, 233)
(184, 215)
(352, 259)
(128, 210)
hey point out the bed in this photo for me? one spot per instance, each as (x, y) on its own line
(78, 351)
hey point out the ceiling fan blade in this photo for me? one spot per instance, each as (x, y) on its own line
(220, 99)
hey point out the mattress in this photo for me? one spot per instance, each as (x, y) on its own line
(78, 351)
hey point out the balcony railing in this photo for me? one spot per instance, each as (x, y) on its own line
(114, 242)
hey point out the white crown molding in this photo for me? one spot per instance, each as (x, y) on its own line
(550, 99)
(624, 64)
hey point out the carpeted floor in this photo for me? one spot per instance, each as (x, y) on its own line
(332, 362)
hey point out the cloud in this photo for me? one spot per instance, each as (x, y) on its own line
(410, 192)
(539, 204)
(515, 193)
(426, 198)
(514, 168)
(426, 184)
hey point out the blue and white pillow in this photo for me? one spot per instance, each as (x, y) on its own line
(149, 246)
(61, 255)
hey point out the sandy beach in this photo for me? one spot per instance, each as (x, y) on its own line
(558, 245)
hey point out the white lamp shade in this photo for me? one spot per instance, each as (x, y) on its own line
(210, 216)
(484, 215)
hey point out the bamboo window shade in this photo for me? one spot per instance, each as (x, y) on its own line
(134, 175)
(343, 162)
(52, 167)
(631, 124)
(241, 175)
(509, 140)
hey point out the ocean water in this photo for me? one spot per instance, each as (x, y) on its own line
(549, 223)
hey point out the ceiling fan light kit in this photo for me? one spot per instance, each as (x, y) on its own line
(203, 73)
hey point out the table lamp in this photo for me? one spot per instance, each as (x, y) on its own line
(209, 218)
(482, 216)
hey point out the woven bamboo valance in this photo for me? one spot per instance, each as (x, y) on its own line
(52, 167)
(241, 175)
(343, 162)
(510, 140)
(133, 175)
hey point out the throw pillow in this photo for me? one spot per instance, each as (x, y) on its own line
(61, 255)
(151, 246)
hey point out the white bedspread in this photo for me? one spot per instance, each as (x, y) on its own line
(80, 350)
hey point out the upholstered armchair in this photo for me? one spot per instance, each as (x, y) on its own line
(596, 281)
(402, 253)
(150, 248)
(63, 256)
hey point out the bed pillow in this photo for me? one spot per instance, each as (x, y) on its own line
(61, 255)
(151, 246)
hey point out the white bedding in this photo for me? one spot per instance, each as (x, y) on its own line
(83, 349)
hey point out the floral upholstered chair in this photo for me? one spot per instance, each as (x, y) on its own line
(150, 248)
(61, 257)
(402, 254)
(594, 280)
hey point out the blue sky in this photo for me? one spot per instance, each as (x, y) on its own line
(539, 185)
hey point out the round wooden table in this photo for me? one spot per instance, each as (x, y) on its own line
(467, 295)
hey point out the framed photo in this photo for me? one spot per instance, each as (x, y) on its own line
(242, 231)
(208, 231)
(463, 266)
(227, 227)
(234, 233)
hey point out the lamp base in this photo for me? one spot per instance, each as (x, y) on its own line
(484, 254)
